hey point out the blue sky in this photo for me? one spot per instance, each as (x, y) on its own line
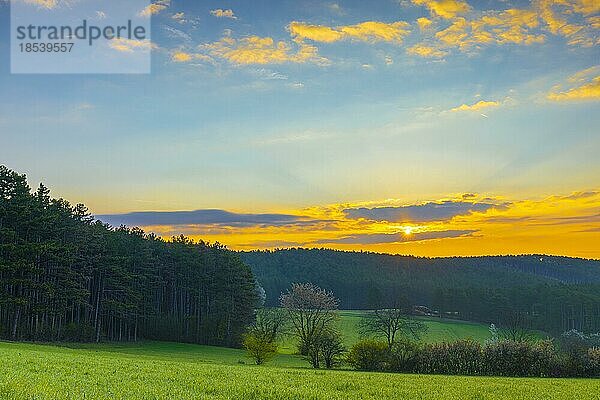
(362, 120)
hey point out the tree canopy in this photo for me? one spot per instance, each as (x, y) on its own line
(66, 276)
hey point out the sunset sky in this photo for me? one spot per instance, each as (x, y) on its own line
(416, 127)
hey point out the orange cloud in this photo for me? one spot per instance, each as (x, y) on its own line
(425, 51)
(480, 105)
(180, 56)
(262, 50)
(48, 4)
(220, 13)
(424, 23)
(155, 8)
(468, 224)
(585, 87)
(316, 33)
(131, 45)
(369, 31)
(444, 8)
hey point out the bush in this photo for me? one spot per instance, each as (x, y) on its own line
(404, 356)
(463, 357)
(513, 358)
(369, 355)
(581, 358)
(592, 365)
(259, 347)
(331, 348)
(467, 357)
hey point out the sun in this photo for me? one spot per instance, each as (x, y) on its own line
(408, 230)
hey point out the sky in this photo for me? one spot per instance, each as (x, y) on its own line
(433, 128)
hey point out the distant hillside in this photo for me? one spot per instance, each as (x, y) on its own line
(556, 293)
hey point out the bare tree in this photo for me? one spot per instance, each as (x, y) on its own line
(390, 323)
(311, 311)
(516, 327)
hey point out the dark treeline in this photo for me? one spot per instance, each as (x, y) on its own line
(554, 294)
(66, 276)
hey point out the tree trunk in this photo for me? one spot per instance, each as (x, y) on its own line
(16, 322)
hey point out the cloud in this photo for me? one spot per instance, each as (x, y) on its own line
(47, 4)
(155, 8)
(508, 26)
(176, 33)
(444, 8)
(180, 56)
(480, 105)
(585, 87)
(427, 212)
(369, 31)
(219, 13)
(380, 238)
(467, 29)
(317, 33)
(179, 17)
(424, 23)
(425, 51)
(556, 15)
(565, 224)
(202, 217)
(263, 50)
(131, 45)
(268, 75)
(515, 26)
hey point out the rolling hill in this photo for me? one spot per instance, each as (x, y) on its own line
(554, 293)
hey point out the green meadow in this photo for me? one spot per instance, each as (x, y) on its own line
(158, 370)
(177, 371)
(438, 330)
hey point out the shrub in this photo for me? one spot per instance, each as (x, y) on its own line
(592, 365)
(404, 356)
(331, 347)
(463, 357)
(259, 347)
(514, 358)
(369, 355)
(581, 351)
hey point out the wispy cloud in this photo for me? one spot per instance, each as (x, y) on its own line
(480, 105)
(202, 217)
(584, 85)
(155, 8)
(47, 4)
(427, 51)
(427, 212)
(220, 13)
(401, 237)
(262, 50)
(132, 45)
(369, 31)
(444, 8)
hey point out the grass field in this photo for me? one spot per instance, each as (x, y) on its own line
(178, 371)
(437, 330)
(160, 370)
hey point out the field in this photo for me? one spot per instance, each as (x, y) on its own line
(156, 370)
(437, 330)
(165, 370)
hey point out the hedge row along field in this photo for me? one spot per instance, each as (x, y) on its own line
(49, 372)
